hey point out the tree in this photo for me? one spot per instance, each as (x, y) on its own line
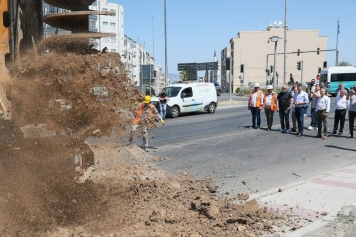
(344, 63)
(183, 75)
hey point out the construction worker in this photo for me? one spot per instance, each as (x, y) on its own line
(255, 103)
(142, 120)
(269, 101)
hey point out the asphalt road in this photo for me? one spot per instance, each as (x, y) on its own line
(221, 146)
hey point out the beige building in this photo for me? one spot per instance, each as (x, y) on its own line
(251, 48)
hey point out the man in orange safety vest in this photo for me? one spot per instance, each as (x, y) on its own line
(270, 103)
(255, 103)
(142, 120)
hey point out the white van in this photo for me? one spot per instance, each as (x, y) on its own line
(191, 97)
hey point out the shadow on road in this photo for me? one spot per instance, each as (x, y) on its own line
(341, 148)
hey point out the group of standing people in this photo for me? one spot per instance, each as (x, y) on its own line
(295, 102)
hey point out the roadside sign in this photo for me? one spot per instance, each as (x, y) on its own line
(147, 72)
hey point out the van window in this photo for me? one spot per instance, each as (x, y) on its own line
(188, 92)
(340, 77)
(172, 91)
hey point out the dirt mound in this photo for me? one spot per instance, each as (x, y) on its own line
(78, 96)
(141, 201)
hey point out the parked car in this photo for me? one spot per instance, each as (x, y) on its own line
(218, 88)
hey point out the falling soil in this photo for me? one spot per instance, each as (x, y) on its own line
(80, 96)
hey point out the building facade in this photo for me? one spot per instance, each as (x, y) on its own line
(108, 24)
(225, 69)
(251, 48)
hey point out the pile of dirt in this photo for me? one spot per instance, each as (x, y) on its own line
(79, 96)
(142, 201)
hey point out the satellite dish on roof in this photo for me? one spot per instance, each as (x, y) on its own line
(275, 23)
(279, 22)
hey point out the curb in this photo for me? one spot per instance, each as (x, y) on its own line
(231, 103)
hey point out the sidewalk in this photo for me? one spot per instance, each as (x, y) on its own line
(327, 204)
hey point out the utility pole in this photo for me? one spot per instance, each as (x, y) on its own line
(275, 64)
(165, 44)
(153, 40)
(230, 74)
(285, 41)
(337, 42)
(301, 69)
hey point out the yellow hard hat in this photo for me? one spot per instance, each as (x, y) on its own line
(147, 99)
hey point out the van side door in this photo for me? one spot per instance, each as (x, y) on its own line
(188, 102)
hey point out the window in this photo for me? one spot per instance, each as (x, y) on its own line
(92, 24)
(52, 9)
(113, 40)
(105, 24)
(340, 77)
(112, 26)
(172, 91)
(104, 9)
(187, 92)
(113, 50)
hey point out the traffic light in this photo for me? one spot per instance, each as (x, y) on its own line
(154, 73)
(319, 69)
(317, 51)
(267, 71)
(298, 52)
(325, 64)
(271, 68)
(242, 68)
(298, 65)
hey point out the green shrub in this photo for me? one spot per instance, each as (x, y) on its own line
(237, 90)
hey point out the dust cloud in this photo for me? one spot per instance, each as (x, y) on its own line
(74, 96)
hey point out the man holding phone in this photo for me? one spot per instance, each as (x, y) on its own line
(322, 110)
(352, 110)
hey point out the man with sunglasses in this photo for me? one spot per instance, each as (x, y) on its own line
(284, 105)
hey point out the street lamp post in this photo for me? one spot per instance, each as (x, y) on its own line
(275, 40)
(230, 74)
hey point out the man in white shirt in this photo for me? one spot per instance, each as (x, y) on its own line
(255, 104)
(352, 111)
(300, 101)
(322, 110)
(342, 104)
(314, 98)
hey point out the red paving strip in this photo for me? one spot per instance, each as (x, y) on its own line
(335, 183)
(352, 171)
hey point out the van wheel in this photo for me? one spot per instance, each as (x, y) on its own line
(212, 108)
(175, 112)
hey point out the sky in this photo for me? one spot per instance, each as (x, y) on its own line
(196, 27)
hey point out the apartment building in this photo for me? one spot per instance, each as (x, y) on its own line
(251, 48)
(108, 24)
